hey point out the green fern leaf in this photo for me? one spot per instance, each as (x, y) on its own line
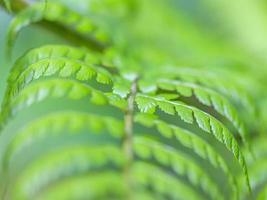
(165, 184)
(207, 97)
(57, 13)
(56, 122)
(107, 118)
(206, 122)
(167, 156)
(55, 88)
(192, 141)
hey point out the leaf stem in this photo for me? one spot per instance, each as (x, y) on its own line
(128, 137)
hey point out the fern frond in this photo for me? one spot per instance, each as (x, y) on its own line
(204, 121)
(55, 124)
(122, 87)
(107, 118)
(206, 96)
(151, 176)
(258, 179)
(58, 88)
(257, 165)
(51, 51)
(179, 163)
(191, 141)
(62, 68)
(99, 184)
(67, 162)
(214, 81)
(80, 26)
(55, 60)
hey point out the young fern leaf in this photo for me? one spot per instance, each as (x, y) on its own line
(23, 93)
(180, 164)
(60, 60)
(213, 81)
(80, 26)
(105, 152)
(99, 184)
(191, 141)
(207, 97)
(51, 51)
(258, 179)
(56, 60)
(257, 165)
(149, 175)
(58, 88)
(204, 121)
(54, 124)
(122, 87)
(62, 68)
(67, 162)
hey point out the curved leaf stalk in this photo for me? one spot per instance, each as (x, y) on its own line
(128, 137)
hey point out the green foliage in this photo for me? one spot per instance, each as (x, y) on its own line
(119, 118)
(7, 5)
